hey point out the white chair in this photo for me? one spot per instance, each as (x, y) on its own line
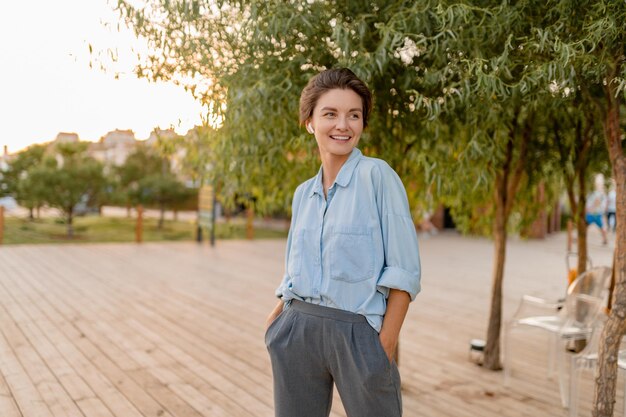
(570, 321)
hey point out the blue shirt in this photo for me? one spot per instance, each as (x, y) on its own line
(346, 251)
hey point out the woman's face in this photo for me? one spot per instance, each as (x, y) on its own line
(337, 122)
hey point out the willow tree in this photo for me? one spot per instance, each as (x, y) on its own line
(593, 42)
(249, 60)
(498, 133)
(577, 137)
(584, 45)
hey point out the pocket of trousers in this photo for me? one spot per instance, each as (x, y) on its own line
(381, 350)
(273, 323)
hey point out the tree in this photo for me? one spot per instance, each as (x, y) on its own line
(593, 43)
(577, 138)
(16, 180)
(66, 178)
(144, 161)
(162, 190)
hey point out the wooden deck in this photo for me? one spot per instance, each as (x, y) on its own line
(177, 330)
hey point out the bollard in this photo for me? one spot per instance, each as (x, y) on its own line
(139, 225)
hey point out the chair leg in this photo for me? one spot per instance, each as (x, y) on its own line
(507, 355)
(563, 387)
(552, 354)
(573, 388)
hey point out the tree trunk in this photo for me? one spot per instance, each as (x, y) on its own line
(70, 226)
(30, 214)
(606, 377)
(491, 358)
(250, 221)
(581, 224)
(162, 216)
(584, 139)
(507, 184)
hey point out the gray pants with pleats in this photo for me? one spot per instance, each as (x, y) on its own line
(313, 348)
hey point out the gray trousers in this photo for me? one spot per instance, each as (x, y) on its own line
(313, 347)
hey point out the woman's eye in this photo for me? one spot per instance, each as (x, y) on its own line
(329, 114)
(355, 116)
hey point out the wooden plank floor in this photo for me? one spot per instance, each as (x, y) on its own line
(176, 330)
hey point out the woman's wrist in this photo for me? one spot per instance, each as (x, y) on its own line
(389, 341)
(275, 312)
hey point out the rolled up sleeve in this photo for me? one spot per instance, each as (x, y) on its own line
(402, 269)
(284, 287)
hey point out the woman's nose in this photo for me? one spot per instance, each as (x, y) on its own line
(342, 123)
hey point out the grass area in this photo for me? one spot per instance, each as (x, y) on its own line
(116, 229)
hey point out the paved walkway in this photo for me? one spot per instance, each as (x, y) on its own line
(177, 329)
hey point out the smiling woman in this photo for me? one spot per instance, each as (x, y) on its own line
(50, 87)
(352, 267)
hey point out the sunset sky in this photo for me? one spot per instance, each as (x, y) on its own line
(47, 86)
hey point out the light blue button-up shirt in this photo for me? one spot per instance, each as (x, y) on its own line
(346, 251)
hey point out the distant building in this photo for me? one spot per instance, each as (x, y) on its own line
(114, 147)
(4, 159)
(65, 137)
(119, 137)
(176, 160)
(162, 134)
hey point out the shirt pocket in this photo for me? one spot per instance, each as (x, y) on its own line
(294, 263)
(351, 253)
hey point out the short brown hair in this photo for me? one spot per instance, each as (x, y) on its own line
(330, 79)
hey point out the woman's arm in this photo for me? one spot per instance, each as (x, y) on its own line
(397, 306)
(275, 312)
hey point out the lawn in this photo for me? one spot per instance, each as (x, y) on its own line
(117, 229)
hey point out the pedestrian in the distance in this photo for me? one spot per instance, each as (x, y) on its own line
(594, 210)
(611, 207)
(352, 267)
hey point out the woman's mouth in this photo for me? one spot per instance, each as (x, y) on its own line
(341, 138)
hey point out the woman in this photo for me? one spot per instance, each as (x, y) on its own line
(352, 267)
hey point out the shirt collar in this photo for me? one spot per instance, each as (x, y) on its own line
(344, 176)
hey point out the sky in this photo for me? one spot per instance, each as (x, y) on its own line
(47, 86)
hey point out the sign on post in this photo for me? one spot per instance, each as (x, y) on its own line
(206, 210)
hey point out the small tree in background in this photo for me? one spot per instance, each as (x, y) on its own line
(143, 162)
(160, 190)
(66, 178)
(16, 182)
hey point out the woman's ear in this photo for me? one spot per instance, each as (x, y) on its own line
(309, 128)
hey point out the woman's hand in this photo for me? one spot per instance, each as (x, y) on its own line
(389, 343)
(275, 312)
(397, 306)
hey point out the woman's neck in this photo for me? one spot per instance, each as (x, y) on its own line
(331, 165)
